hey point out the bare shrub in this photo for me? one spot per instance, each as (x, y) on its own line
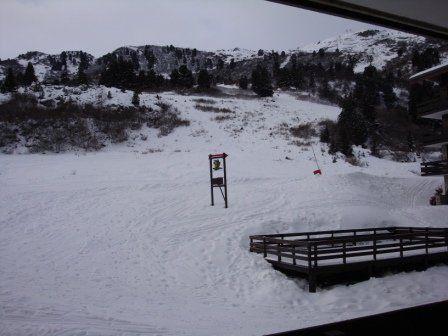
(301, 143)
(152, 150)
(304, 131)
(207, 108)
(223, 117)
(68, 125)
(166, 119)
(204, 101)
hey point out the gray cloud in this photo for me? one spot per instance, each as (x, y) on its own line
(100, 26)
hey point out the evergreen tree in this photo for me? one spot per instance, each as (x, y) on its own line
(261, 82)
(366, 93)
(389, 96)
(243, 82)
(325, 91)
(220, 64)
(411, 142)
(81, 76)
(64, 77)
(150, 57)
(109, 95)
(63, 58)
(232, 64)
(135, 99)
(312, 84)
(9, 83)
(83, 61)
(134, 59)
(344, 144)
(119, 73)
(29, 76)
(186, 78)
(352, 125)
(174, 77)
(325, 135)
(204, 79)
(284, 78)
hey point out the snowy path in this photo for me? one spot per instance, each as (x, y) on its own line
(125, 243)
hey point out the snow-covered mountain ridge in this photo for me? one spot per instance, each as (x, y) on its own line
(376, 47)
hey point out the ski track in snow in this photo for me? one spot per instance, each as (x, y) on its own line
(124, 243)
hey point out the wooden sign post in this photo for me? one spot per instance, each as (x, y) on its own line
(218, 182)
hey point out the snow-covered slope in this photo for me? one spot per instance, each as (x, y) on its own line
(237, 54)
(375, 47)
(124, 241)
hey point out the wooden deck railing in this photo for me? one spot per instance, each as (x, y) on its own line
(434, 168)
(311, 251)
(433, 105)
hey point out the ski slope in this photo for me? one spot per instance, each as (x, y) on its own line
(124, 241)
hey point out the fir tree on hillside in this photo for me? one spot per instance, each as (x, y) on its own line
(150, 57)
(136, 99)
(63, 58)
(83, 65)
(83, 61)
(10, 83)
(243, 82)
(186, 78)
(119, 73)
(352, 123)
(366, 92)
(174, 77)
(64, 77)
(325, 134)
(261, 82)
(81, 76)
(204, 79)
(389, 96)
(29, 76)
(220, 64)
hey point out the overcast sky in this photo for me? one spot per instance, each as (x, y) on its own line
(100, 26)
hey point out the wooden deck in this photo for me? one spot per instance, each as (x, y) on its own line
(432, 168)
(327, 257)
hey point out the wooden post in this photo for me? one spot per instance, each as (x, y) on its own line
(279, 255)
(344, 252)
(374, 244)
(265, 253)
(312, 281)
(294, 254)
(211, 178)
(225, 181)
(446, 240)
(309, 256)
(401, 247)
(218, 182)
